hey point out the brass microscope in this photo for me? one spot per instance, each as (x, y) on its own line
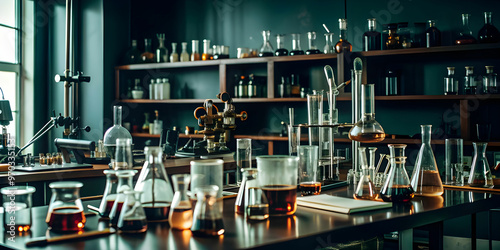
(216, 128)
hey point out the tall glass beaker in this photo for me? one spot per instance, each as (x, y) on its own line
(123, 154)
(207, 218)
(315, 116)
(397, 186)
(296, 49)
(65, 210)
(425, 179)
(181, 211)
(480, 172)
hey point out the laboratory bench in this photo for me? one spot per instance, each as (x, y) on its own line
(309, 228)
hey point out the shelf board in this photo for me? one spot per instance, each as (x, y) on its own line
(165, 65)
(436, 97)
(215, 100)
(440, 49)
(146, 135)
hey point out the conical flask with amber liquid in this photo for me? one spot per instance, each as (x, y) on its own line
(425, 179)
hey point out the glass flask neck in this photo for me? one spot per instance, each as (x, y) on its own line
(296, 42)
(147, 45)
(117, 115)
(469, 70)
(343, 29)
(154, 156)
(161, 43)
(487, 17)
(265, 35)
(368, 101)
(124, 180)
(480, 148)
(174, 47)
(194, 46)
(426, 134)
(184, 47)
(451, 71)
(397, 150)
(465, 25)
(311, 36)
(280, 41)
(372, 24)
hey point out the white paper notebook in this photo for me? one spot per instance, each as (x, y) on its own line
(340, 204)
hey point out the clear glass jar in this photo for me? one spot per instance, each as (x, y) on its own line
(343, 45)
(490, 81)
(470, 87)
(365, 189)
(174, 57)
(329, 47)
(207, 55)
(266, 49)
(450, 84)
(371, 38)
(123, 155)
(181, 212)
(65, 212)
(184, 53)
(147, 56)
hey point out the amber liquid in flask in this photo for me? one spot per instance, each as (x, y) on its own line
(181, 212)
(66, 219)
(398, 193)
(367, 129)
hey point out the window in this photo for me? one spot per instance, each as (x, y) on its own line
(10, 55)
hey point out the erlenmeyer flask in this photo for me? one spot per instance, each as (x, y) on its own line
(132, 217)
(365, 189)
(181, 213)
(156, 190)
(65, 210)
(397, 186)
(239, 205)
(124, 184)
(425, 179)
(267, 48)
(207, 216)
(109, 195)
(367, 129)
(256, 204)
(480, 172)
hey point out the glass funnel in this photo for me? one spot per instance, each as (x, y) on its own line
(181, 213)
(397, 186)
(266, 49)
(65, 212)
(480, 172)
(365, 189)
(124, 184)
(207, 218)
(132, 217)
(367, 129)
(153, 182)
(109, 196)
(115, 132)
(425, 179)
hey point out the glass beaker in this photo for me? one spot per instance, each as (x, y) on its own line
(278, 180)
(365, 189)
(311, 36)
(367, 129)
(450, 84)
(329, 47)
(480, 172)
(109, 195)
(207, 172)
(465, 35)
(17, 203)
(470, 86)
(207, 218)
(132, 217)
(123, 154)
(124, 184)
(296, 49)
(115, 132)
(243, 157)
(255, 201)
(454, 162)
(397, 186)
(206, 55)
(153, 182)
(280, 41)
(195, 54)
(266, 49)
(425, 179)
(308, 169)
(65, 212)
(181, 213)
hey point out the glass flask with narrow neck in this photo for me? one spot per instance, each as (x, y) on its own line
(367, 129)
(147, 56)
(117, 131)
(480, 172)
(266, 49)
(397, 186)
(490, 81)
(450, 84)
(133, 55)
(207, 217)
(311, 38)
(174, 57)
(432, 34)
(371, 167)
(161, 51)
(343, 45)
(280, 43)
(184, 53)
(296, 49)
(65, 212)
(425, 179)
(109, 195)
(181, 212)
(132, 217)
(488, 33)
(371, 38)
(124, 184)
(465, 35)
(329, 47)
(153, 182)
(365, 189)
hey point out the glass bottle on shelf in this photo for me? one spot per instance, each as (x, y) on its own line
(266, 49)
(216, 51)
(252, 86)
(296, 49)
(383, 36)
(125, 178)
(174, 57)
(404, 37)
(311, 37)
(145, 125)
(166, 88)
(109, 195)
(371, 38)
(206, 50)
(181, 212)
(365, 189)
(207, 216)
(195, 53)
(432, 35)
(242, 87)
(147, 56)
(465, 35)
(488, 33)
(137, 92)
(392, 41)
(184, 53)
(367, 129)
(133, 55)
(343, 45)
(157, 193)
(450, 84)
(397, 186)
(470, 86)
(117, 131)
(161, 51)
(329, 48)
(132, 216)
(65, 212)
(490, 81)
(480, 172)
(295, 86)
(425, 179)
(280, 43)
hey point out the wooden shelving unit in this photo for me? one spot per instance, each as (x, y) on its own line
(146, 135)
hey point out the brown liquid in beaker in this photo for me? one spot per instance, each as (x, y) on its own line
(310, 188)
(66, 219)
(431, 184)
(117, 214)
(400, 193)
(258, 212)
(134, 225)
(208, 227)
(368, 137)
(282, 199)
(156, 211)
(182, 218)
